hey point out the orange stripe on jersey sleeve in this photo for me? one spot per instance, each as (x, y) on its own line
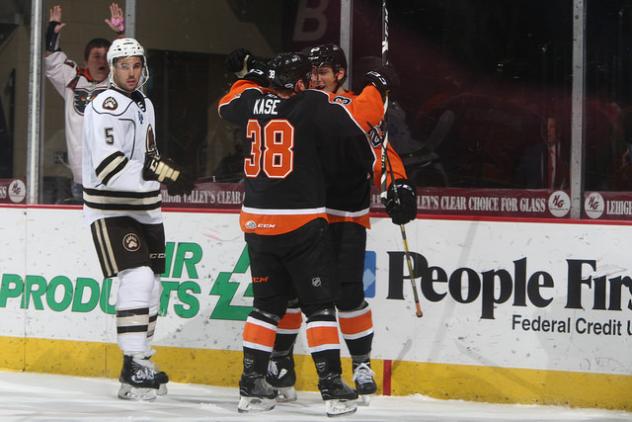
(355, 322)
(260, 336)
(291, 321)
(270, 224)
(322, 335)
(236, 90)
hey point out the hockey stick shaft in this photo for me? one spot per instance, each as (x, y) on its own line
(402, 228)
(409, 263)
(386, 166)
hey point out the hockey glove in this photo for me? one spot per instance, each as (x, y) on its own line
(246, 66)
(401, 202)
(380, 79)
(165, 171)
(52, 37)
(237, 62)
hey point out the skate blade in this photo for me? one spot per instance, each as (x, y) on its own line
(286, 394)
(255, 404)
(162, 390)
(339, 407)
(127, 392)
(364, 399)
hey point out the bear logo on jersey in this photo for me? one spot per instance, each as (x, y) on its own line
(131, 242)
(150, 142)
(110, 103)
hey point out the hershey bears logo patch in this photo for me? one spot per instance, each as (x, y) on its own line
(110, 103)
(131, 242)
(150, 142)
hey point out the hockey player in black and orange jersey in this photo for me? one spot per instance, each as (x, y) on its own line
(348, 200)
(284, 215)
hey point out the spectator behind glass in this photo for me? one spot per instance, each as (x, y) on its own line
(420, 159)
(78, 86)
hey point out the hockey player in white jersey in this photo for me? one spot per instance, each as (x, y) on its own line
(122, 171)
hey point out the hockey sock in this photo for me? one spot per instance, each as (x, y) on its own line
(154, 308)
(287, 332)
(132, 309)
(357, 330)
(258, 341)
(323, 342)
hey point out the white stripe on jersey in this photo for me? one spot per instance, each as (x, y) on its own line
(106, 172)
(342, 213)
(121, 200)
(297, 211)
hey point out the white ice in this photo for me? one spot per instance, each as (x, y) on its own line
(43, 397)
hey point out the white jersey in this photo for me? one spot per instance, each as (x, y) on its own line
(118, 131)
(77, 88)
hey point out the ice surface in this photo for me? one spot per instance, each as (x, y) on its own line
(43, 397)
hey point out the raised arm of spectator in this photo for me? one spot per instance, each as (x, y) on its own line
(117, 20)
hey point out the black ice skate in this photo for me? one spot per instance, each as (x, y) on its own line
(161, 378)
(255, 394)
(282, 377)
(364, 382)
(340, 399)
(138, 379)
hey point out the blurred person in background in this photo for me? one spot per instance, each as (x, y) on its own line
(77, 85)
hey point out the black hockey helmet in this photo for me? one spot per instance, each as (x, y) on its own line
(288, 68)
(327, 55)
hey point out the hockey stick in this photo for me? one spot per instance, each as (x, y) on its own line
(386, 167)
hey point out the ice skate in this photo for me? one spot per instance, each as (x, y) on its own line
(282, 377)
(161, 378)
(364, 382)
(138, 379)
(255, 393)
(340, 399)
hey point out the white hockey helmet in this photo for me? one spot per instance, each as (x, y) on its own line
(127, 47)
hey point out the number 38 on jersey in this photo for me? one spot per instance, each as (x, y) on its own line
(271, 149)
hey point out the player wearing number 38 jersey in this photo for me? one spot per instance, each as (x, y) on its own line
(291, 132)
(285, 186)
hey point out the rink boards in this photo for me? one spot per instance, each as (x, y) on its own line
(513, 311)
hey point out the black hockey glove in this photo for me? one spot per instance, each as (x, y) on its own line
(237, 61)
(52, 37)
(401, 202)
(380, 80)
(246, 66)
(258, 72)
(165, 171)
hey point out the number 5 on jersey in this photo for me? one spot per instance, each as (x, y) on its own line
(271, 149)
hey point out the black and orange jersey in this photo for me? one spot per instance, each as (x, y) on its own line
(290, 145)
(357, 165)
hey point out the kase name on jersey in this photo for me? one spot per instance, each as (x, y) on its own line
(266, 106)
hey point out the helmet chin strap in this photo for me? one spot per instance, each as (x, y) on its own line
(341, 81)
